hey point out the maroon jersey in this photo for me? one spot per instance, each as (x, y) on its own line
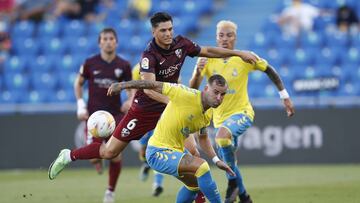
(166, 65)
(100, 75)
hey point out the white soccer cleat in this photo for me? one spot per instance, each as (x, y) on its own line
(58, 164)
(109, 197)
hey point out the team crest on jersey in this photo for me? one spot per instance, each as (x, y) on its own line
(118, 72)
(125, 132)
(145, 63)
(178, 52)
(235, 73)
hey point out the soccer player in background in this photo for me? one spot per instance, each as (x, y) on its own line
(235, 115)
(188, 111)
(161, 61)
(100, 71)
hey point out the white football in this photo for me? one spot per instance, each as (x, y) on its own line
(101, 124)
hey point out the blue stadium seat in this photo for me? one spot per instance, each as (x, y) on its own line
(136, 44)
(43, 81)
(68, 63)
(81, 45)
(49, 29)
(24, 29)
(126, 27)
(42, 63)
(301, 57)
(271, 91)
(35, 97)
(285, 41)
(286, 73)
(15, 64)
(16, 81)
(74, 28)
(66, 79)
(63, 96)
(350, 57)
(327, 57)
(94, 29)
(262, 40)
(25, 46)
(10, 97)
(337, 39)
(270, 25)
(355, 39)
(311, 40)
(278, 56)
(52, 46)
(258, 77)
(349, 89)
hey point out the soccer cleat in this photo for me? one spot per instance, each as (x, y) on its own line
(58, 164)
(109, 197)
(144, 172)
(232, 191)
(157, 191)
(245, 198)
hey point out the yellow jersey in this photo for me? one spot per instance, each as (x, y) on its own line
(136, 72)
(236, 72)
(182, 116)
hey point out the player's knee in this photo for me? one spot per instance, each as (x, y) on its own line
(109, 154)
(223, 142)
(202, 169)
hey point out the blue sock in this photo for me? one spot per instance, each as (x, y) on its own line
(229, 157)
(185, 195)
(208, 187)
(158, 179)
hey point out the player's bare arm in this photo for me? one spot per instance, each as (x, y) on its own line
(275, 78)
(82, 112)
(196, 78)
(130, 96)
(116, 88)
(207, 147)
(153, 94)
(218, 52)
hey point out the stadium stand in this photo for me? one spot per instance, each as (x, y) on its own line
(46, 55)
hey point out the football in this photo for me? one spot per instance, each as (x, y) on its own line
(101, 124)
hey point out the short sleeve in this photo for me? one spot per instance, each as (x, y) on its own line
(170, 90)
(84, 70)
(147, 63)
(261, 64)
(192, 48)
(127, 71)
(179, 92)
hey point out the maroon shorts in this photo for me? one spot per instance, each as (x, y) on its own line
(90, 139)
(135, 124)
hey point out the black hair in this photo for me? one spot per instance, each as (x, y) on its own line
(160, 17)
(108, 30)
(217, 79)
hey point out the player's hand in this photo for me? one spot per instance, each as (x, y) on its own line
(248, 57)
(223, 166)
(200, 65)
(114, 89)
(289, 107)
(82, 114)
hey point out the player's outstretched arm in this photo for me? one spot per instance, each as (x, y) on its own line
(207, 147)
(116, 88)
(196, 78)
(218, 52)
(284, 95)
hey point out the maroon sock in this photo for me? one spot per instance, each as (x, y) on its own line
(90, 151)
(200, 198)
(114, 173)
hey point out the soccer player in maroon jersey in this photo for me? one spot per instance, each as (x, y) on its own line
(101, 71)
(162, 61)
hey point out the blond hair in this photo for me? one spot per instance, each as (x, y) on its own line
(227, 24)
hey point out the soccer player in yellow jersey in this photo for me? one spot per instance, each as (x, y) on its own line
(190, 145)
(235, 114)
(188, 111)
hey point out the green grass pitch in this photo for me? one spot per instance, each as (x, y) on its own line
(266, 184)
